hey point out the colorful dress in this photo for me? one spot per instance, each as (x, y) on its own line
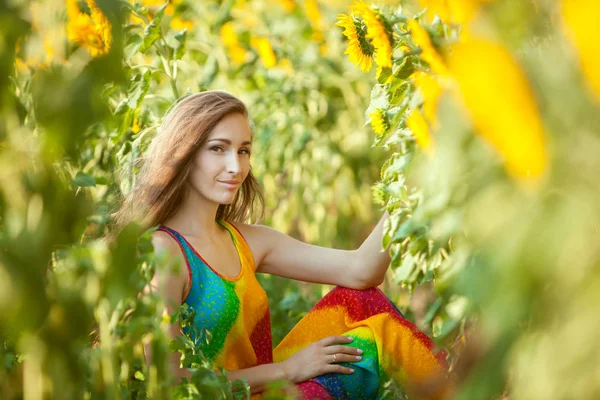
(236, 312)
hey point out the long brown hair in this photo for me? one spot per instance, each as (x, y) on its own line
(160, 185)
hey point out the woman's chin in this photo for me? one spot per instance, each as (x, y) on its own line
(226, 200)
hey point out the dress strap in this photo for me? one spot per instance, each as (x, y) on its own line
(241, 244)
(183, 245)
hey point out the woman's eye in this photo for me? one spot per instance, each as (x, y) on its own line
(245, 151)
(217, 149)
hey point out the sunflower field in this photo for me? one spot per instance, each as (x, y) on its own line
(474, 123)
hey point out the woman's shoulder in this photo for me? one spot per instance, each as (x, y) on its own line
(164, 242)
(257, 236)
(252, 231)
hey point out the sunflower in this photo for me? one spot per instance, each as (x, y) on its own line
(93, 31)
(430, 89)
(360, 50)
(377, 32)
(505, 113)
(428, 52)
(379, 121)
(230, 40)
(579, 23)
(265, 51)
(420, 130)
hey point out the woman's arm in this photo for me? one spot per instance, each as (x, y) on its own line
(258, 377)
(314, 360)
(371, 257)
(279, 254)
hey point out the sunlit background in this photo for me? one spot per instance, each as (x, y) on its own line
(473, 122)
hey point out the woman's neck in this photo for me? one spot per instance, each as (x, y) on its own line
(195, 217)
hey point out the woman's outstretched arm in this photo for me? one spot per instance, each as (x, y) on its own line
(279, 254)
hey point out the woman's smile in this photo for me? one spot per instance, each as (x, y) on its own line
(230, 184)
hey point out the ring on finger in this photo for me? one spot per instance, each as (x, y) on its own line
(334, 357)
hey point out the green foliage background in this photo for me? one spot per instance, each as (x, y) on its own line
(504, 277)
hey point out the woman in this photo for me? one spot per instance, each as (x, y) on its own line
(197, 185)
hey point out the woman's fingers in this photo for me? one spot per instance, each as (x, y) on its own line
(328, 341)
(340, 357)
(336, 368)
(342, 349)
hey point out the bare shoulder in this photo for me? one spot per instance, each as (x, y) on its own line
(167, 246)
(162, 242)
(172, 279)
(258, 237)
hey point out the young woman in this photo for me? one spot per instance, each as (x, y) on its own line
(197, 185)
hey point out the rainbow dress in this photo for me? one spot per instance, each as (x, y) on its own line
(236, 312)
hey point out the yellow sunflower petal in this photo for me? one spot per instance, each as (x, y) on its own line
(377, 33)
(503, 108)
(357, 54)
(378, 122)
(265, 51)
(420, 130)
(431, 90)
(428, 52)
(580, 22)
(93, 32)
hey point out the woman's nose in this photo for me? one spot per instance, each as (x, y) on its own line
(233, 163)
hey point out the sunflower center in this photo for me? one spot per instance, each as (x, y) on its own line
(361, 32)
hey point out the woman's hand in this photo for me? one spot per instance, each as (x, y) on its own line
(320, 358)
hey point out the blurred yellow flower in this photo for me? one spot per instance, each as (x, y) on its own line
(323, 49)
(456, 11)
(431, 90)
(179, 24)
(288, 5)
(286, 65)
(151, 3)
(377, 32)
(93, 31)
(22, 67)
(312, 12)
(135, 128)
(265, 51)
(379, 122)
(360, 50)
(238, 54)
(228, 35)
(428, 52)
(420, 130)
(230, 41)
(500, 101)
(580, 22)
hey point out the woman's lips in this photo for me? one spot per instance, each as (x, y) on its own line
(230, 184)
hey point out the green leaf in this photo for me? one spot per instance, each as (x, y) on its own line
(133, 46)
(138, 89)
(211, 68)
(180, 47)
(406, 229)
(402, 273)
(139, 376)
(445, 328)
(151, 35)
(224, 13)
(384, 75)
(84, 180)
(432, 311)
(152, 31)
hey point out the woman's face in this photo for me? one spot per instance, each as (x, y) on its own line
(223, 162)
